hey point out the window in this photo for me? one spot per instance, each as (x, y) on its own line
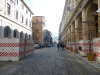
(30, 24)
(26, 21)
(36, 29)
(26, 11)
(22, 6)
(36, 20)
(30, 14)
(17, 1)
(11, 1)
(22, 18)
(16, 14)
(8, 8)
(36, 36)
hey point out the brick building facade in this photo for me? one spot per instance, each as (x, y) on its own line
(38, 23)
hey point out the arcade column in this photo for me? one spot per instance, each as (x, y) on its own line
(84, 25)
(99, 17)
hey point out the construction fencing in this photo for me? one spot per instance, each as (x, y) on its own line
(14, 49)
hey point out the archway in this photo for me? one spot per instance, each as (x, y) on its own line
(29, 36)
(92, 19)
(15, 35)
(7, 32)
(21, 34)
(26, 36)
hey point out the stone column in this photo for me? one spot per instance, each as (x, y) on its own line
(72, 28)
(71, 32)
(76, 30)
(84, 25)
(76, 23)
(0, 27)
(23, 36)
(1, 32)
(98, 4)
(18, 34)
(12, 34)
(99, 17)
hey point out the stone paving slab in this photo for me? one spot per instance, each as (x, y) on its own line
(95, 64)
(50, 61)
(6, 64)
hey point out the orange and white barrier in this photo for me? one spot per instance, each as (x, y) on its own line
(21, 48)
(29, 49)
(85, 47)
(9, 49)
(96, 48)
(77, 45)
(14, 49)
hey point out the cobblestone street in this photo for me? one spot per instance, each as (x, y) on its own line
(50, 61)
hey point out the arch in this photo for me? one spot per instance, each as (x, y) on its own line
(15, 35)
(26, 36)
(7, 32)
(29, 36)
(92, 9)
(21, 34)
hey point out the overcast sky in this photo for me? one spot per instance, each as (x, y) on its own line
(51, 9)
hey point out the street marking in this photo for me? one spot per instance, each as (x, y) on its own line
(76, 67)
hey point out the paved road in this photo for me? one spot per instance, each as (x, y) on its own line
(50, 61)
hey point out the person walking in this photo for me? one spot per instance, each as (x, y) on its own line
(58, 45)
(62, 46)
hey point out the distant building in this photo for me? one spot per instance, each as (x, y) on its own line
(15, 19)
(38, 24)
(48, 37)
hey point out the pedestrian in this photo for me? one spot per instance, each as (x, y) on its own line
(80, 48)
(62, 46)
(58, 45)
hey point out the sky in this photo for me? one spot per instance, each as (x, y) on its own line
(51, 9)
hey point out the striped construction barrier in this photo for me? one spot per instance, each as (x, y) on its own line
(14, 49)
(9, 49)
(21, 48)
(29, 47)
(77, 45)
(85, 47)
(96, 48)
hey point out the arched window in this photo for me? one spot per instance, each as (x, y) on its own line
(21, 34)
(7, 31)
(36, 36)
(15, 33)
(26, 36)
(36, 20)
(29, 36)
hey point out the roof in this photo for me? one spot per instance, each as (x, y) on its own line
(38, 16)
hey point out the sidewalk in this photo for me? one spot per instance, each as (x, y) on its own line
(95, 64)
